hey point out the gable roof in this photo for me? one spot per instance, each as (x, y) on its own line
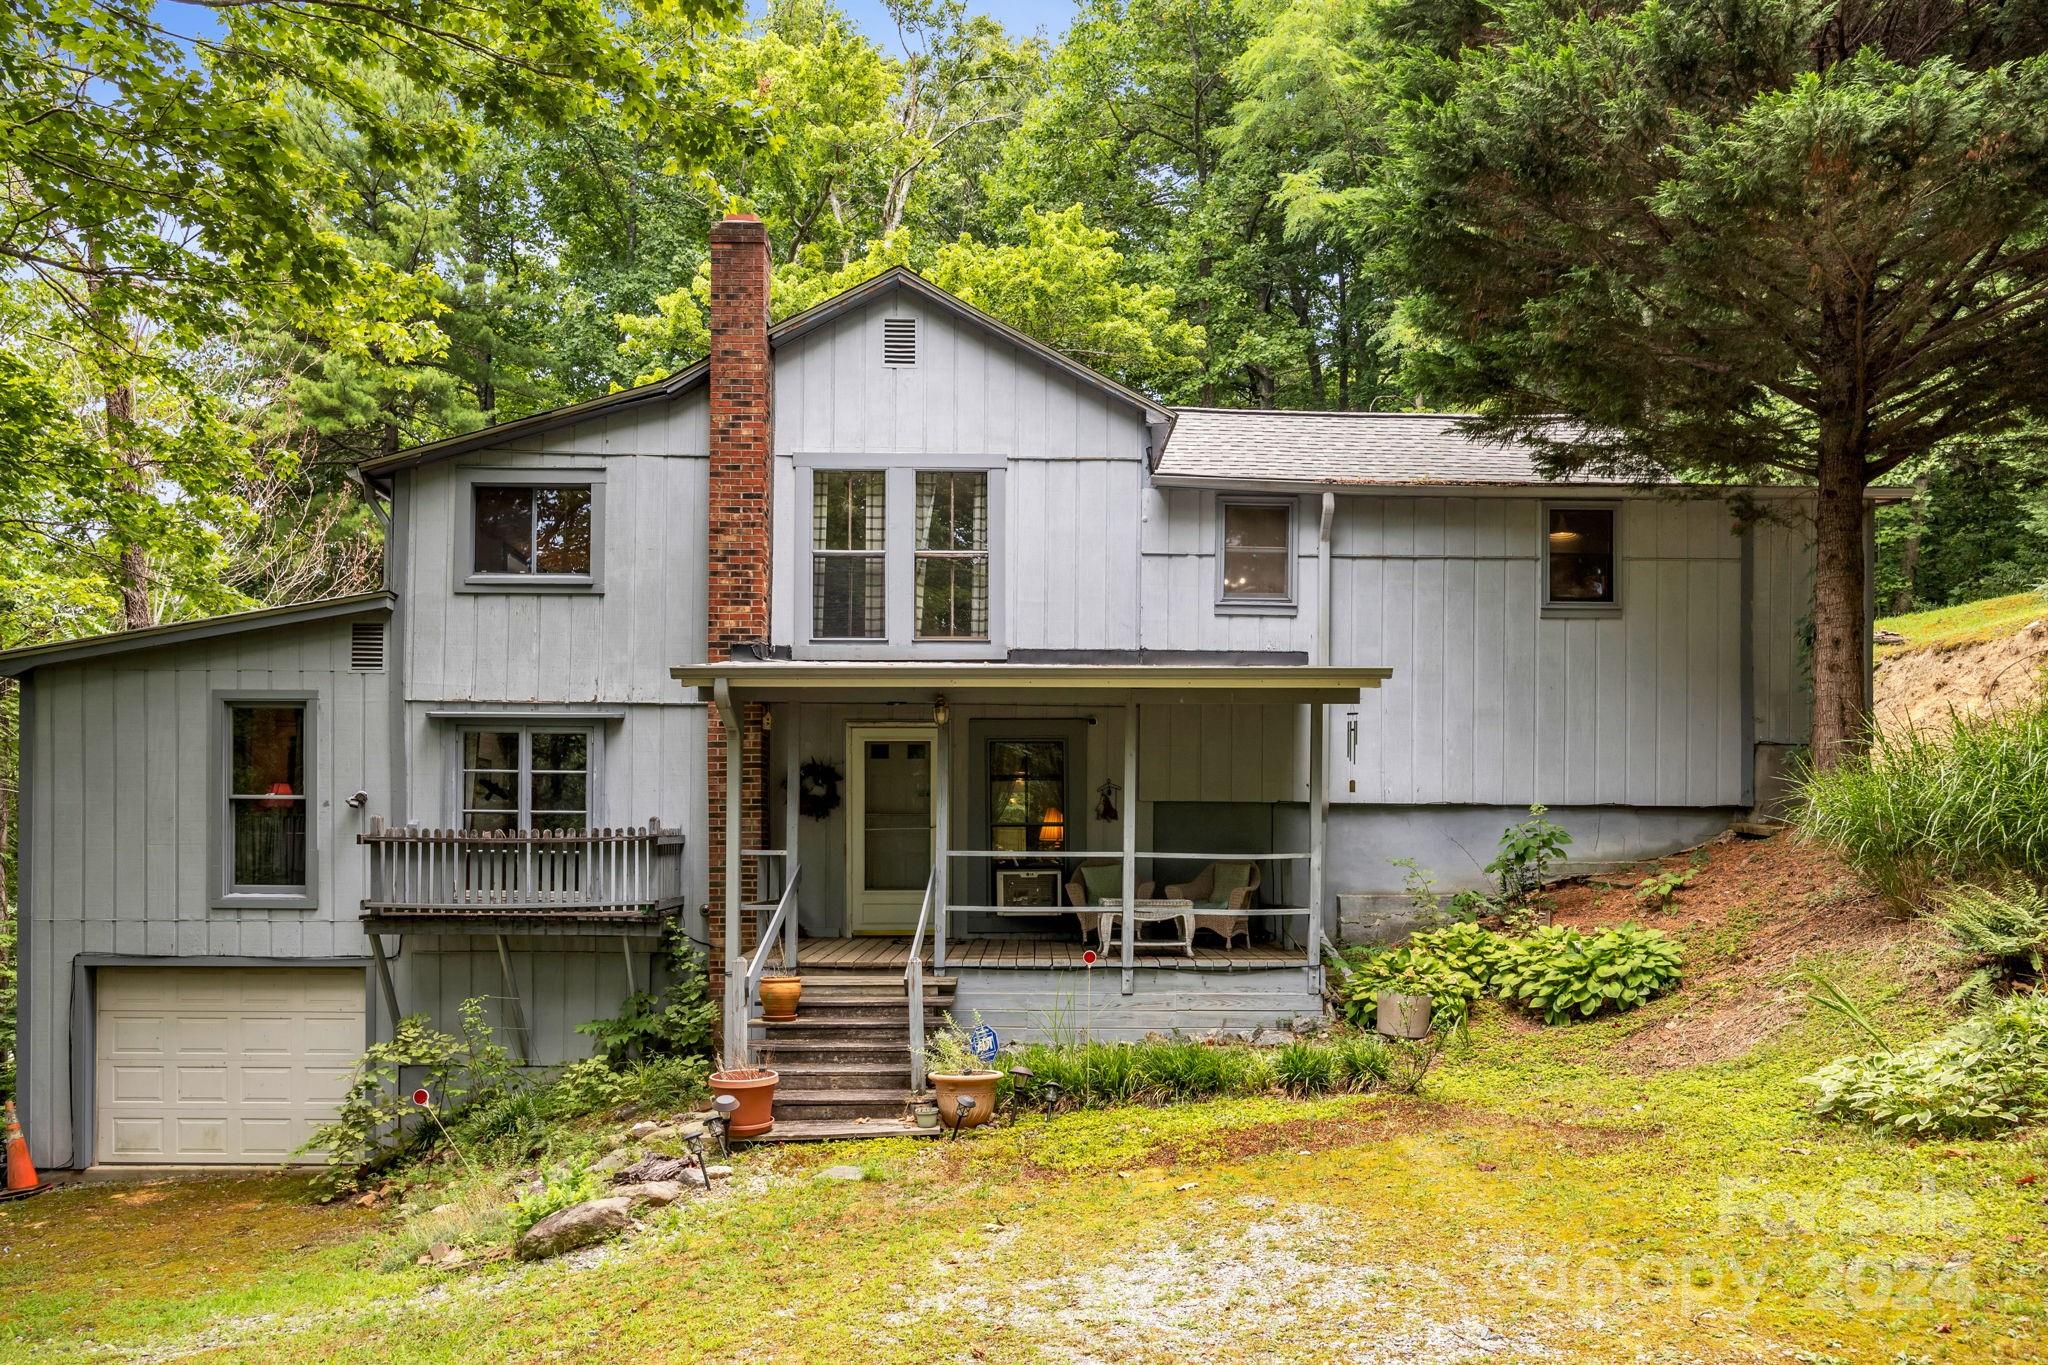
(1240, 445)
(779, 334)
(15, 662)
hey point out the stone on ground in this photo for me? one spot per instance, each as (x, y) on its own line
(842, 1173)
(579, 1225)
(659, 1193)
(656, 1168)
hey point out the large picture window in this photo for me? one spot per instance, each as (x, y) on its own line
(849, 529)
(267, 807)
(537, 530)
(952, 555)
(525, 779)
(1579, 559)
(1257, 553)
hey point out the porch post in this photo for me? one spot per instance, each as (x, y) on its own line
(735, 1011)
(1130, 845)
(942, 829)
(792, 786)
(1318, 829)
(384, 984)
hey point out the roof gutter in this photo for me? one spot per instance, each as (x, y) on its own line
(1876, 493)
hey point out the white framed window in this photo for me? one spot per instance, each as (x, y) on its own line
(849, 561)
(1255, 554)
(525, 777)
(951, 555)
(1581, 557)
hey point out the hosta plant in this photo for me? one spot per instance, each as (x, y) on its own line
(1563, 974)
(1987, 1074)
(1479, 953)
(1415, 971)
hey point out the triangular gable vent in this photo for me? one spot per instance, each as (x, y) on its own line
(899, 341)
(366, 647)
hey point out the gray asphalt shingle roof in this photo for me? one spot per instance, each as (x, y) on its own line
(1343, 448)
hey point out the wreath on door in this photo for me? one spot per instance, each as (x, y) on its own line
(817, 792)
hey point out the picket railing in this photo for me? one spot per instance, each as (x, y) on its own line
(460, 871)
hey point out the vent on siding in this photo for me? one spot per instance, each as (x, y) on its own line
(366, 647)
(899, 341)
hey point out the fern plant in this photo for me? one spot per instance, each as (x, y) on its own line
(1998, 936)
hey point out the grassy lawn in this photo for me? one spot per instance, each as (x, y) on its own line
(1966, 624)
(1558, 1193)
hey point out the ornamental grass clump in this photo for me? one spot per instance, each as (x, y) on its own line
(1563, 974)
(1967, 801)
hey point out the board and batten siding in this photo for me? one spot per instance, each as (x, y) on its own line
(1781, 596)
(122, 828)
(1071, 457)
(613, 645)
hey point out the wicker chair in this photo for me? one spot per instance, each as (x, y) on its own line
(1078, 897)
(1202, 891)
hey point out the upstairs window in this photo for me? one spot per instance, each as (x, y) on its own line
(516, 778)
(267, 798)
(952, 555)
(849, 528)
(533, 530)
(1257, 552)
(1579, 563)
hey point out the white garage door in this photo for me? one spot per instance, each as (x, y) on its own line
(221, 1064)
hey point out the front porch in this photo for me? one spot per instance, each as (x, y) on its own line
(1022, 952)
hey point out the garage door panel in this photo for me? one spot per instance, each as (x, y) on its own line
(228, 1065)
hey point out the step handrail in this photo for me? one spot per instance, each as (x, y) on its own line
(913, 985)
(781, 925)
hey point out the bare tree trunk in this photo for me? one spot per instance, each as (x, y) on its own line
(132, 565)
(1909, 553)
(1840, 646)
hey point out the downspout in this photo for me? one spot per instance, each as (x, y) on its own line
(1325, 573)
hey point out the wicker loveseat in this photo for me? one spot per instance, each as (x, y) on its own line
(1080, 897)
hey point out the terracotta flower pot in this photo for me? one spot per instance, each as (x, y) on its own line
(754, 1088)
(779, 995)
(981, 1085)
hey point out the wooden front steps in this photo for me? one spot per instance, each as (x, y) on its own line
(844, 1061)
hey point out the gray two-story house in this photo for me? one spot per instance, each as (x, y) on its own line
(893, 636)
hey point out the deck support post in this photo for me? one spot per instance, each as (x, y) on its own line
(942, 829)
(1318, 829)
(512, 1004)
(390, 992)
(790, 727)
(632, 985)
(734, 1013)
(1130, 833)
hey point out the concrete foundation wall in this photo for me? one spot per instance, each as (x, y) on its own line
(1048, 1006)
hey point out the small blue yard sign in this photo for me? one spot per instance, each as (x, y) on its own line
(982, 1039)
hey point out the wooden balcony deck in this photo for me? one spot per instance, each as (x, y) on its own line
(1017, 951)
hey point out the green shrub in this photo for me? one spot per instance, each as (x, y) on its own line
(1527, 852)
(1997, 936)
(1364, 1060)
(679, 1021)
(1659, 889)
(1478, 953)
(1986, 1074)
(1563, 974)
(1412, 969)
(1306, 1069)
(1967, 802)
(563, 1187)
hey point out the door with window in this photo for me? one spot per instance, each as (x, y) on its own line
(889, 826)
(529, 785)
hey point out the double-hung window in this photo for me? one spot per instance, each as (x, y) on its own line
(849, 569)
(525, 778)
(539, 532)
(951, 548)
(267, 807)
(1256, 554)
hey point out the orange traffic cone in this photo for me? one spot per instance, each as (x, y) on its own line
(21, 1172)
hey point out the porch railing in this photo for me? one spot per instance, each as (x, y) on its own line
(516, 871)
(913, 981)
(779, 931)
(1312, 933)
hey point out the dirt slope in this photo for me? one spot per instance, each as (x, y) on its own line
(1917, 688)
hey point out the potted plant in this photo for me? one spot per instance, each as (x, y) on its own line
(779, 993)
(753, 1090)
(953, 1069)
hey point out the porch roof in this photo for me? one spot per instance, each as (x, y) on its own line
(796, 680)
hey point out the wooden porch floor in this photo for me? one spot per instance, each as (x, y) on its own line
(1024, 953)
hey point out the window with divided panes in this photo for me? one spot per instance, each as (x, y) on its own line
(951, 550)
(849, 530)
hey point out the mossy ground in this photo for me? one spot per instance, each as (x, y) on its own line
(1547, 1195)
(1965, 624)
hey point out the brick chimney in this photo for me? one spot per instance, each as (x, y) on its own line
(737, 547)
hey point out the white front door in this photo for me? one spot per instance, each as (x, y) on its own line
(889, 826)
